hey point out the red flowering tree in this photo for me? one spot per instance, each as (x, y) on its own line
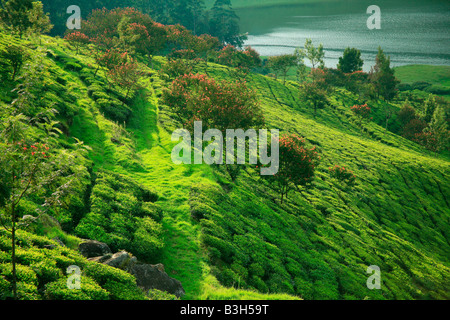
(342, 175)
(77, 40)
(232, 57)
(126, 75)
(110, 59)
(297, 165)
(220, 105)
(362, 112)
(143, 39)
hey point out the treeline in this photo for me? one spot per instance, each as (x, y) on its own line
(219, 21)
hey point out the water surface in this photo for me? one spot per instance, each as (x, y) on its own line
(412, 32)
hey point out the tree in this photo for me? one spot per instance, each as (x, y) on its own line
(77, 39)
(40, 21)
(15, 56)
(282, 64)
(15, 15)
(351, 61)
(383, 78)
(31, 167)
(126, 75)
(406, 113)
(313, 54)
(189, 13)
(302, 71)
(224, 24)
(110, 59)
(218, 105)
(438, 129)
(315, 94)
(362, 112)
(297, 165)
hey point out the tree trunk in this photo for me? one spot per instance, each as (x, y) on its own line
(13, 250)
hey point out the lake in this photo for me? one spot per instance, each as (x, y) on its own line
(412, 32)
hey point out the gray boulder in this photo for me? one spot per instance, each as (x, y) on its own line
(154, 277)
(121, 260)
(92, 248)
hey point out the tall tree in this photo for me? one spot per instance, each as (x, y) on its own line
(313, 54)
(282, 64)
(383, 78)
(438, 128)
(224, 23)
(351, 61)
(40, 21)
(15, 15)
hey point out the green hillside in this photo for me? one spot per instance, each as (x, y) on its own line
(316, 245)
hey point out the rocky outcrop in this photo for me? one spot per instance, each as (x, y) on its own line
(92, 248)
(147, 276)
(154, 277)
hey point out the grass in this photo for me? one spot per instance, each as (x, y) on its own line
(432, 74)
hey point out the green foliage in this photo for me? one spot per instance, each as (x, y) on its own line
(313, 54)
(14, 57)
(351, 61)
(14, 15)
(90, 290)
(120, 218)
(154, 294)
(282, 64)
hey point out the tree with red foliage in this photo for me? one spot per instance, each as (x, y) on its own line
(220, 105)
(343, 175)
(126, 75)
(362, 112)
(297, 165)
(77, 39)
(110, 59)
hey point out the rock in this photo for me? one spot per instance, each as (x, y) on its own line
(92, 248)
(154, 277)
(101, 259)
(121, 260)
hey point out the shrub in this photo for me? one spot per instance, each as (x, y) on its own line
(114, 110)
(155, 294)
(152, 210)
(343, 175)
(72, 66)
(119, 283)
(420, 85)
(175, 68)
(90, 290)
(121, 218)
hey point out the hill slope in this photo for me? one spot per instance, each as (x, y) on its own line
(317, 245)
